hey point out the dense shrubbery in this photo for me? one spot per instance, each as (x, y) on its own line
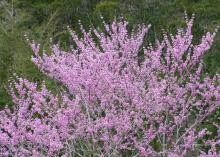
(43, 19)
(116, 102)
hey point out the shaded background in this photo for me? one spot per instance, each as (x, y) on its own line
(43, 19)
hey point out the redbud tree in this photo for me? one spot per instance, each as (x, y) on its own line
(116, 104)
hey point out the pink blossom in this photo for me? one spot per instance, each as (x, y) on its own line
(114, 102)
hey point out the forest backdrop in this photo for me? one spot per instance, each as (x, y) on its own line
(45, 19)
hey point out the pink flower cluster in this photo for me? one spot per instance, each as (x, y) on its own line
(116, 103)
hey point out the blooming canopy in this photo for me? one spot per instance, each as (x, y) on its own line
(116, 103)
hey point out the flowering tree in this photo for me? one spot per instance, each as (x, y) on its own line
(116, 104)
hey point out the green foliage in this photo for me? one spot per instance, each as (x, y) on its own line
(107, 9)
